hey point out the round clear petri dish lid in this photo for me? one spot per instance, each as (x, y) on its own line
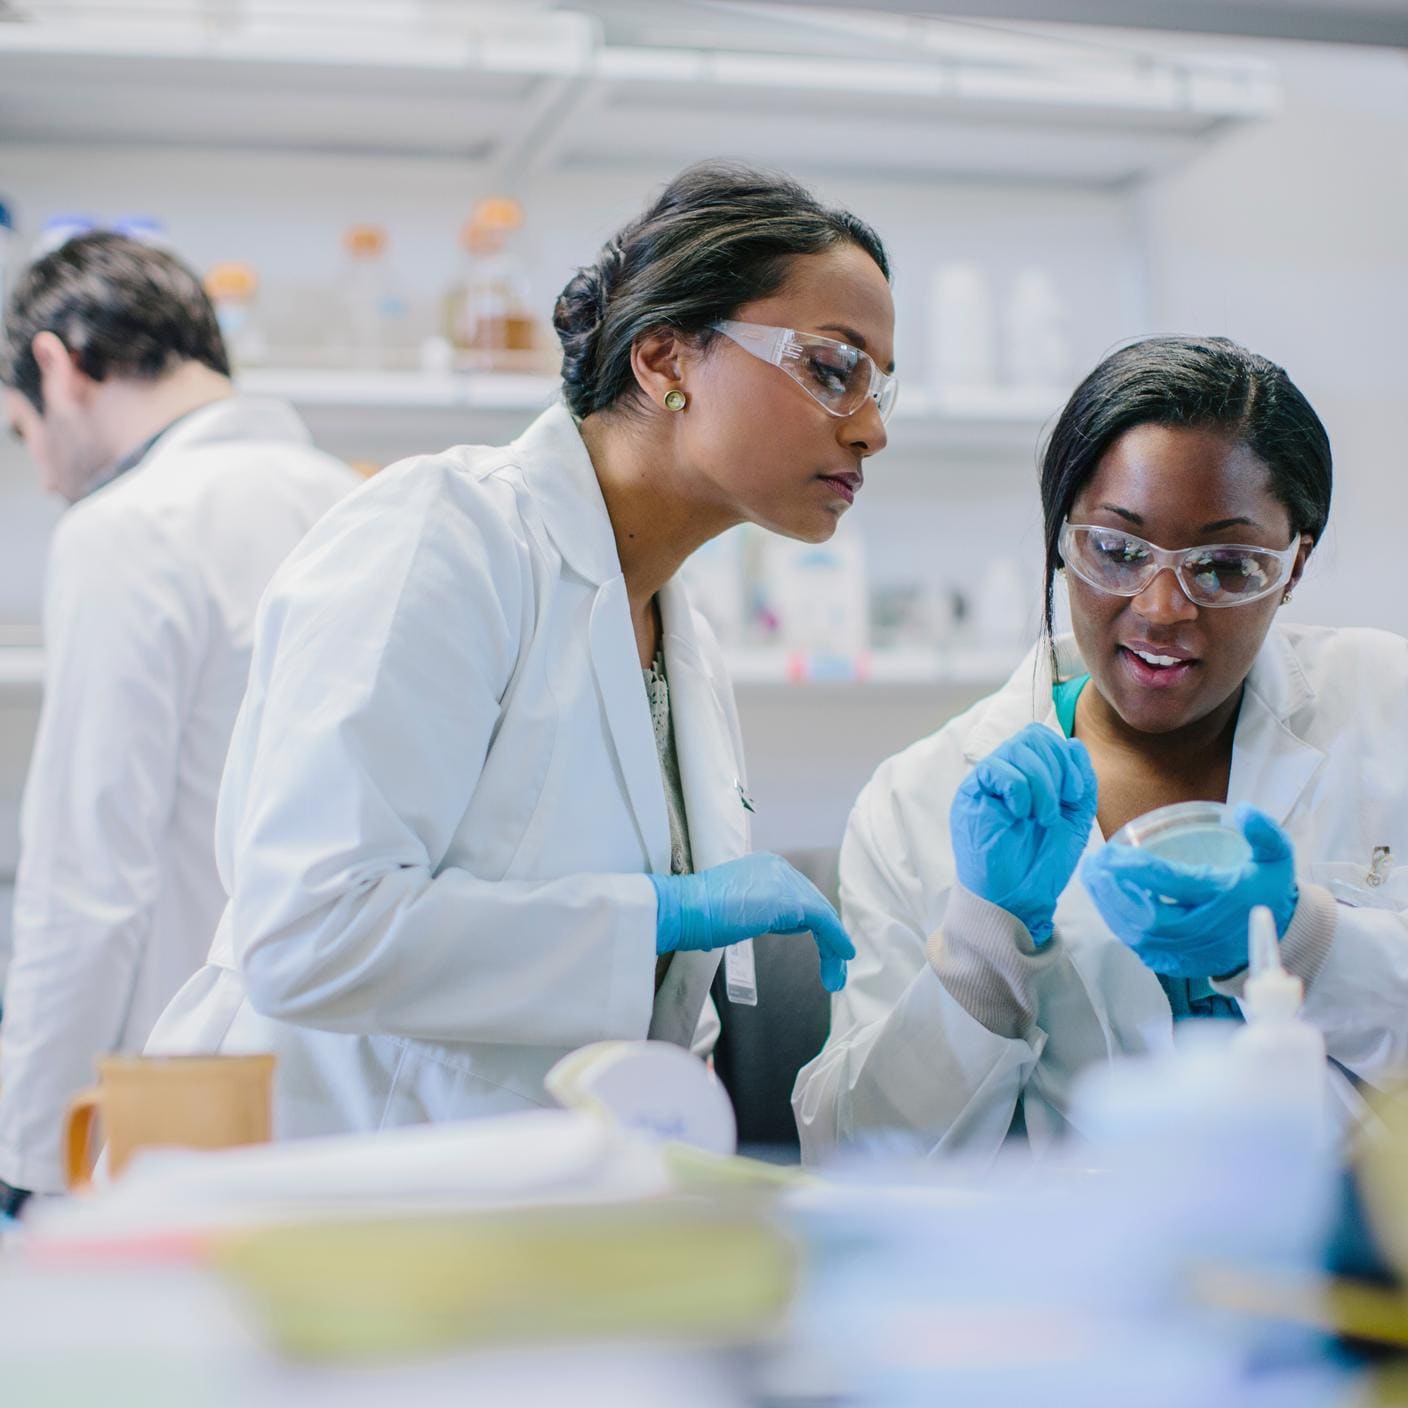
(1188, 833)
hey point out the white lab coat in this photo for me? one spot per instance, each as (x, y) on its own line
(444, 794)
(152, 585)
(1321, 744)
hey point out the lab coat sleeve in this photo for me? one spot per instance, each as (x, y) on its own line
(1358, 993)
(382, 653)
(125, 631)
(905, 1058)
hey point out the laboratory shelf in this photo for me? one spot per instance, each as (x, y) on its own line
(411, 411)
(966, 668)
(536, 89)
(404, 390)
(21, 671)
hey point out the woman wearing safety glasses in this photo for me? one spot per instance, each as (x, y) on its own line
(1002, 946)
(485, 801)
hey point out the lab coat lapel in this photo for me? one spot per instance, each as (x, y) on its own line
(709, 769)
(565, 489)
(616, 664)
(709, 776)
(1271, 764)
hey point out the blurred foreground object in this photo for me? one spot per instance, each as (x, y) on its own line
(185, 1102)
(366, 1289)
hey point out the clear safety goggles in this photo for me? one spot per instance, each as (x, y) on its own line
(839, 377)
(1220, 574)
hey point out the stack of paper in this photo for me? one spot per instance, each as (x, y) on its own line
(544, 1226)
(174, 1201)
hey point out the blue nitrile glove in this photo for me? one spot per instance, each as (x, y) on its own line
(1020, 821)
(1190, 921)
(758, 894)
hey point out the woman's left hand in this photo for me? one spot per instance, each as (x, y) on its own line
(1190, 921)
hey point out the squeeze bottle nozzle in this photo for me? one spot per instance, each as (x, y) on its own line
(1270, 992)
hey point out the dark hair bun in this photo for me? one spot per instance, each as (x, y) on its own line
(577, 316)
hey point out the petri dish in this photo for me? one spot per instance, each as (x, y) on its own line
(1188, 833)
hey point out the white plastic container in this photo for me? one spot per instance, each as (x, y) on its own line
(964, 341)
(818, 594)
(1000, 609)
(1036, 339)
(1280, 1053)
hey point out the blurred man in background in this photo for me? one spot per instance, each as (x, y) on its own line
(185, 497)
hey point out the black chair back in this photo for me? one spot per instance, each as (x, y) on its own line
(761, 1049)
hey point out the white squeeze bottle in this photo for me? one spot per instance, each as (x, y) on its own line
(1281, 1053)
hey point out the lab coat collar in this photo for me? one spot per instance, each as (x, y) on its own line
(564, 486)
(232, 418)
(1271, 763)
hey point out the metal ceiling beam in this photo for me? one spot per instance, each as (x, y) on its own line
(1381, 22)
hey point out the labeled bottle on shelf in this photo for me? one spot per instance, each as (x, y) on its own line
(372, 309)
(964, 348)
(818, 595)
(486, 313)
(232, 287)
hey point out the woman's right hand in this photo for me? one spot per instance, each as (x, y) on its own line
(1020, 821)
(740, 899)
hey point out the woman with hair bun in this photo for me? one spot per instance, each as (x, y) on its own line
(485, 799)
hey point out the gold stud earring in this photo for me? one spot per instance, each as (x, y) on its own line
(675, 400)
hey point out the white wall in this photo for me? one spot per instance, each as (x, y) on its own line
(1292, 237)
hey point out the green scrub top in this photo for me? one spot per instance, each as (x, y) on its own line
(1188, 997)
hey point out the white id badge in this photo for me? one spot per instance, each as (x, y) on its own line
(741, 974)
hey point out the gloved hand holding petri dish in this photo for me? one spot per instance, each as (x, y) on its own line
(1177, 885)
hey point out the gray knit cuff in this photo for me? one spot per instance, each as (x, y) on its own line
(986, 959)
(1306, 945)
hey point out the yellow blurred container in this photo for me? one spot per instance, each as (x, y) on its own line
(666, 1269)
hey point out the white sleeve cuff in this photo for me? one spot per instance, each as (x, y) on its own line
(986, 959)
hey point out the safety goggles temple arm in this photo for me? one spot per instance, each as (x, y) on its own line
(767, 343)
